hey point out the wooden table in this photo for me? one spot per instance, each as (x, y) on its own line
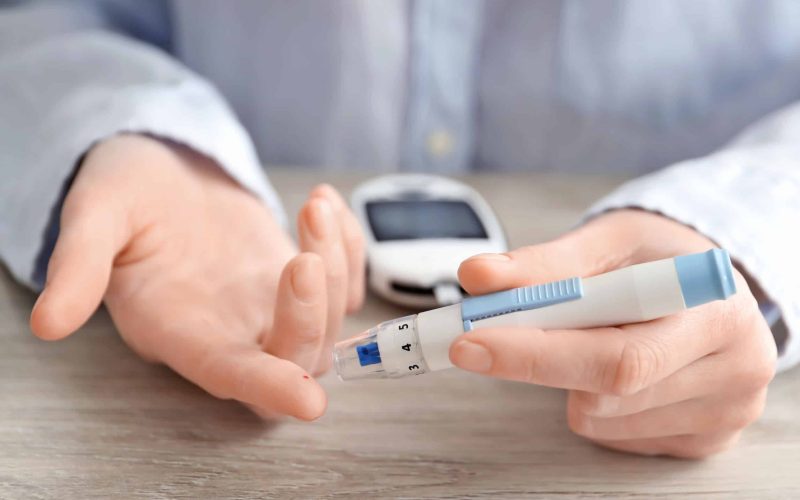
(86, 418)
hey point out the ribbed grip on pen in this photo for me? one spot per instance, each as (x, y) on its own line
(519, 299)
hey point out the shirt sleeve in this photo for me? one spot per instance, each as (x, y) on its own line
(745, 197)
(61, 94)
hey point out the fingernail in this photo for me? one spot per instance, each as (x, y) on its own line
(303, 282)
(471, 356)
(325, 191)
(500, 257)
(321, 215)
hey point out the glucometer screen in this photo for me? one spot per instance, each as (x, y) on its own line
(419, 219)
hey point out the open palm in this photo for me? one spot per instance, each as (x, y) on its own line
(197, 274)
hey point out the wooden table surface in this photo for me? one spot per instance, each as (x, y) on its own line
(85, 418)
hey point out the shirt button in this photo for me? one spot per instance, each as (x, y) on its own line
(440, 143)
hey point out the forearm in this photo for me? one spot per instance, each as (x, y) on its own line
(61, 95)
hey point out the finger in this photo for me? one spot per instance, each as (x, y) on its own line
(319, 233)
(689, 446)
(716, 374)
(614, 360)
(353, 238)
(696, 416)
(92, 232)
(243, 372)
(299, 329)
(597, 247)
(612, 240)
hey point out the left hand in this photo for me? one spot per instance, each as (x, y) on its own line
(197, 274)
(684, 385)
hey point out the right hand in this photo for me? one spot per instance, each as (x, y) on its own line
(684, 385)
(197, 274)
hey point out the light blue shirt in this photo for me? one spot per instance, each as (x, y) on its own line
(433, 85)
(448, 86)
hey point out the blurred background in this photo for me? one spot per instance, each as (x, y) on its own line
(418, 85)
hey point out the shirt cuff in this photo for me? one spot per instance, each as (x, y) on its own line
(746, 200)
(61, 95)
(190, 113)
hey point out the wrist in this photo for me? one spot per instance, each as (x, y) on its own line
(145, 169)
(140, 153)
(655, 232)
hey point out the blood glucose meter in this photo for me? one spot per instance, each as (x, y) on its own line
(419, 228)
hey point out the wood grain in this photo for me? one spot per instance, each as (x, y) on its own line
(85, 418)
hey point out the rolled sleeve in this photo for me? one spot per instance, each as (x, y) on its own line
(746, 199)
(61, 96)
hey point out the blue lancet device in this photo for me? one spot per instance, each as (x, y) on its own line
(519, 299)
(420, 343)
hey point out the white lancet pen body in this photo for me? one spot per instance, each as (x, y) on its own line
(420, 343)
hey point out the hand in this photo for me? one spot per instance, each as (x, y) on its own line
(197, 274)
(684, 385)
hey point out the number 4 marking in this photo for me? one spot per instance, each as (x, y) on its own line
(407, 347)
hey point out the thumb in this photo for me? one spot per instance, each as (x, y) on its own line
(603, 244)
(80, 267)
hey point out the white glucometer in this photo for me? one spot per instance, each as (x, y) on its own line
(419, 228)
